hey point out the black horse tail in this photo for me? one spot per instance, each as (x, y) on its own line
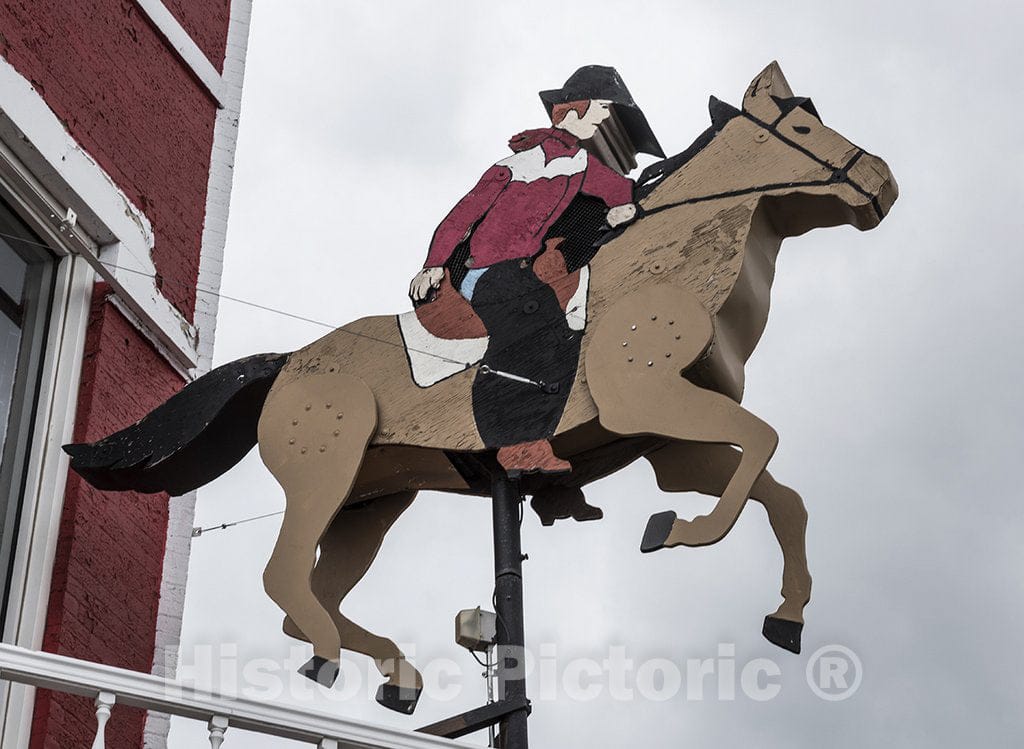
(194, 437)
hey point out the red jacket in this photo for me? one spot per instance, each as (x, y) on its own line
(519, 198)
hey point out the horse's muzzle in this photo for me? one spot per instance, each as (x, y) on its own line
(873, 179)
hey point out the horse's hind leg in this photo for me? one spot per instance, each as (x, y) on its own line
(313, 433)
(346, 552)
(691, 466)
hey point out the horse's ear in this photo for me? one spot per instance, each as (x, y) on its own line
(768, 83)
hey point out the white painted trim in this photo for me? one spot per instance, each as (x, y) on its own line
(51, 671)
(37, 151)
(180, 40)
(532, 165)
(47, 475)
(211, 263)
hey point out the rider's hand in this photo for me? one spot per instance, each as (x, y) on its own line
(621, 214)
(424, 281)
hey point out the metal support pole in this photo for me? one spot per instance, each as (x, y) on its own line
(489, 675)
(508, 604)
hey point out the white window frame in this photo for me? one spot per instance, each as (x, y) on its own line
(47, 469)
(43, 173)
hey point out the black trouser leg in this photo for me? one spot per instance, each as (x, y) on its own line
(529, 337)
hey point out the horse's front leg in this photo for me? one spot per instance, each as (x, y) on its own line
(634, 367)
(313, 434)
(704, 468)
(635, 361)
(686, 412)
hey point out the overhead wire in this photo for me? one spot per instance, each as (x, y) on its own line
(197, 532)
(256, 305)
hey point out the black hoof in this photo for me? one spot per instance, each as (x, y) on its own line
(320, 670)
(783, 632)
(399, 699)
(658, 528)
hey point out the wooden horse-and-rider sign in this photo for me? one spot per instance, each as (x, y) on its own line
(567, 322)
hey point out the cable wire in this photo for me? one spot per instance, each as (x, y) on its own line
(256, 305)
(197, 532)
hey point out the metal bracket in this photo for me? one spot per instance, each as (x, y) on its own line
(476, 719)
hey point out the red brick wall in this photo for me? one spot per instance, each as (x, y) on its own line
(110, 551)
(126, 97)
(206, 21)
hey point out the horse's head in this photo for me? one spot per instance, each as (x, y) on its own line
(824, 179)
(776, 146)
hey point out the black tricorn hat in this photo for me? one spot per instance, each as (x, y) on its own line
(602, 82)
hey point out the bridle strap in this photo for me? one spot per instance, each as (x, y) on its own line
(838, 176)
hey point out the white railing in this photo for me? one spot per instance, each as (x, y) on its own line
(108, 686)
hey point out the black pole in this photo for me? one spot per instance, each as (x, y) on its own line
(508, 604)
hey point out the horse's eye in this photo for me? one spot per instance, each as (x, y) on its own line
(802, 129)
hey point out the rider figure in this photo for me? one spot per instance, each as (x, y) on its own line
(506, 218)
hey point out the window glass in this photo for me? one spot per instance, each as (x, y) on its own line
(12, 271)
(10, 343)
(26, 288)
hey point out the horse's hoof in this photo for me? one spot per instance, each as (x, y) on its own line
(783, 632)
(658, 529)
(400, 699)
(320, 670)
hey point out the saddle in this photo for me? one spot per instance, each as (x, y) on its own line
(451, 317)
(445, 336)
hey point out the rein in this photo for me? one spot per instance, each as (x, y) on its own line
(839, 175)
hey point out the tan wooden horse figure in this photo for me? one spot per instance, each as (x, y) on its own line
(676, 305)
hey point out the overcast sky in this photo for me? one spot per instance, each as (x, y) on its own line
(890, 364)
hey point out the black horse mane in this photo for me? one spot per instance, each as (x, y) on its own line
(721, 114)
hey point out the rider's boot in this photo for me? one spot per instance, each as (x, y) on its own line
(531, 457)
